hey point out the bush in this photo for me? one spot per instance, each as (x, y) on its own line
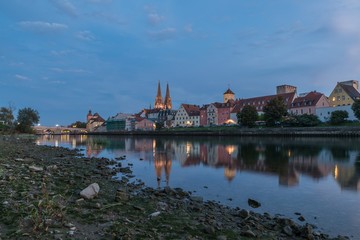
(248, 116)
(338, 117)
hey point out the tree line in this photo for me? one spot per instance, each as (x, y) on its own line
(26, 118)
(275, 113)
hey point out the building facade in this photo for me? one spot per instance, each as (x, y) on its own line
(93, 121)
(324, 114)
(229, 95)
(187, 115)
(260, 102)
(344, 93)
(308, 103)
(145, 125)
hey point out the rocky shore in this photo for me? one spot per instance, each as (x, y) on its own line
(43, 196)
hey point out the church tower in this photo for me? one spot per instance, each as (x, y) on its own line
(167, 102)
(229, 95)
(158, 100)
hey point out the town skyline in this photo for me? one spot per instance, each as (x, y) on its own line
(64, 57)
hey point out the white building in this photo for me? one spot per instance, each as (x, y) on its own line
(324, 114)
(187, 115)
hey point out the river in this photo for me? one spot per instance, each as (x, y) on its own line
(318, 178)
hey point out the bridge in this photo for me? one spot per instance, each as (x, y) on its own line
(57, 130)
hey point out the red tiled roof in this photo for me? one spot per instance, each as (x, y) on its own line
(96, 118)
(192, 110)
(310, 99)
(223, 105)
(260, 102)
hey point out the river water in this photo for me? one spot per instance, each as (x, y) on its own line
(317, 177)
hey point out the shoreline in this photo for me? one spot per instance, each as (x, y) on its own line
(40, 199)
(283, 132)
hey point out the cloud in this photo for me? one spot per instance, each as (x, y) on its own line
(66, 7)
(61, 53)
(164, 34)
(277, 37)
(155, 18)
(100, 1)
(21, 77)
(60, 70)
(85, 35)
(42, 27)
(188, 28)
(347, 23)
(57, 82)
(108, 17)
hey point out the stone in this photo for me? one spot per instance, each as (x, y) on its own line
(154, 214)
(91, 191)
(248, 233)
(253, 203)
(288, 231)
(244, 213)
(36, 169)
(162, 206)
(301, 218)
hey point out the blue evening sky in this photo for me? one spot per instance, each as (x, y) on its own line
(64, 57)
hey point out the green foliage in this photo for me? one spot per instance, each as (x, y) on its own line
(159, 125)
(78, 124)
(356, 108)
(6, 116)
(338, 117)
(274, 111)
(305, 120)
(26, 118)
(248, 116)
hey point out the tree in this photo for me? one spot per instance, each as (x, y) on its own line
(26, 118)
(78, 124)
(6, 116)
(308, 120)
(159, 125)
(274, 111)
(248, 116)
(356, 108)
(338, 117)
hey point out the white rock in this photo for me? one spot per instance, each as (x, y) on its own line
(36, 169)
(91, 191)
(155, 214)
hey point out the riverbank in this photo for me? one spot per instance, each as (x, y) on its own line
(330, 131)
(40, 198)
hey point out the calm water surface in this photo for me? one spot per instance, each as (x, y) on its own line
(317, 177)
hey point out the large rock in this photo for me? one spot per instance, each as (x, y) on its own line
(253, 203)
(91, 191)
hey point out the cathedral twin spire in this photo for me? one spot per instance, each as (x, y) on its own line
(159, 104)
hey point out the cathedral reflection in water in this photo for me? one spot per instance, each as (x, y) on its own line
(287, 158)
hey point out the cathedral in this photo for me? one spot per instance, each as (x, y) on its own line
(159, 103)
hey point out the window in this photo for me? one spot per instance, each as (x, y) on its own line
(343, 97)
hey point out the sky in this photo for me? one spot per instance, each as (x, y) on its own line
(66, 57)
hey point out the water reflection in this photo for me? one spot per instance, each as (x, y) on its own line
(288, 159)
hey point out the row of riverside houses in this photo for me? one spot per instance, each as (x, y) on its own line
(219, 113)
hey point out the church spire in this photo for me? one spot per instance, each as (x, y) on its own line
(167, 102)
(158, 100)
